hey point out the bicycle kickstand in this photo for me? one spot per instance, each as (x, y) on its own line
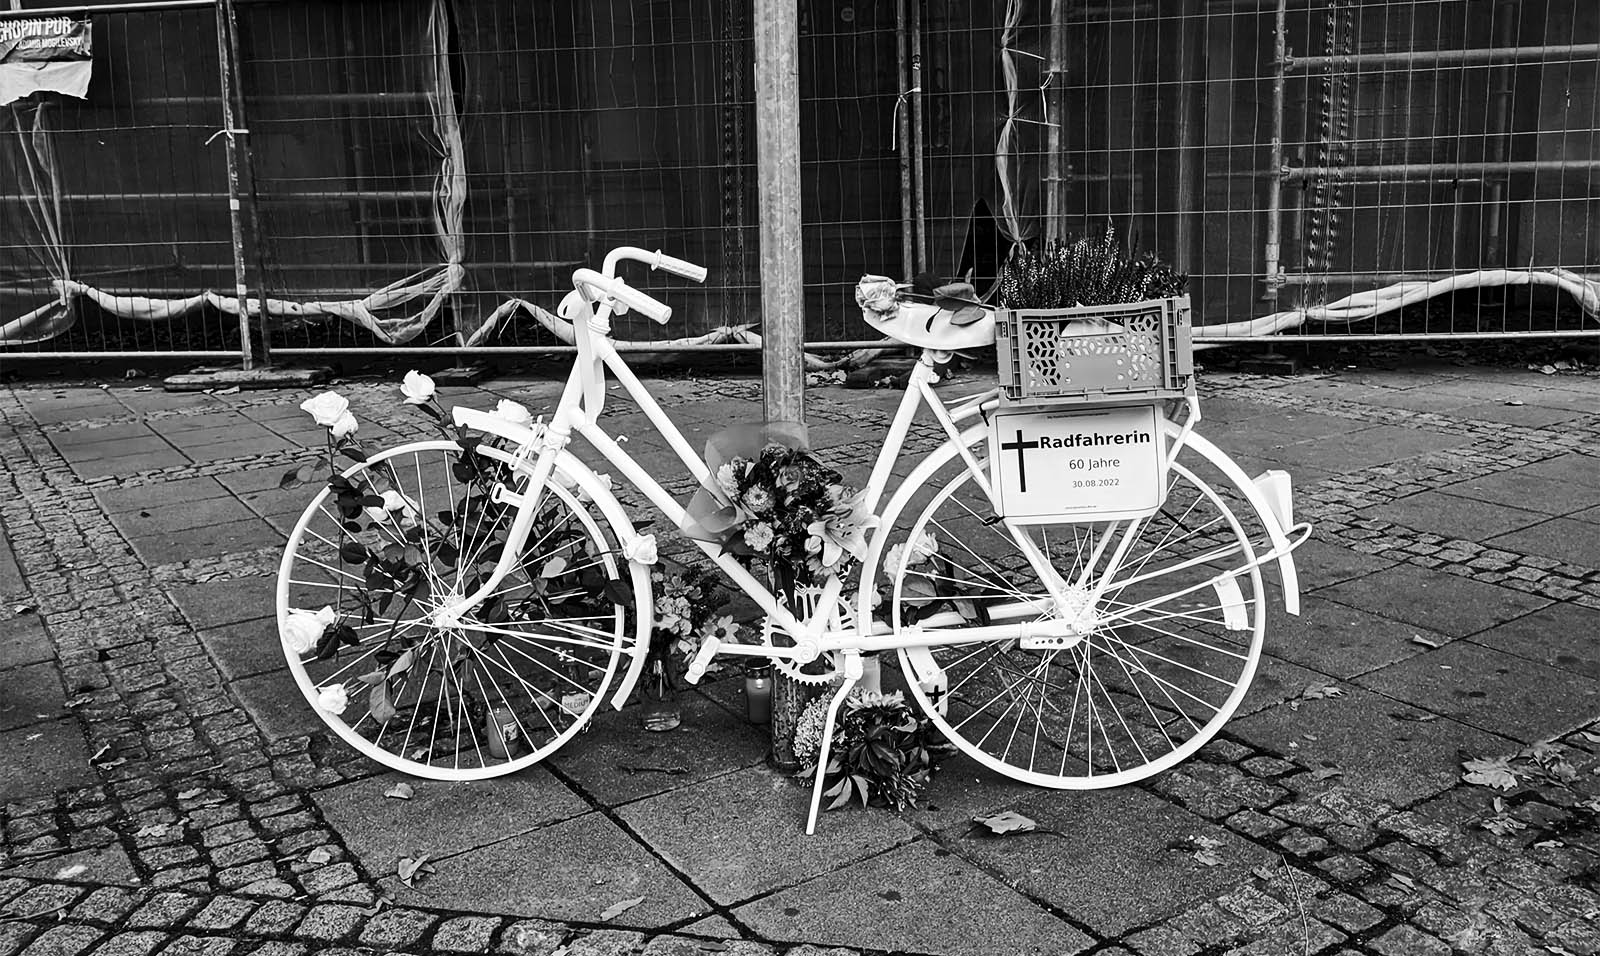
(852, 673)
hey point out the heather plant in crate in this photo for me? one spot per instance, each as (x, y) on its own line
(1080, 318)
(1085, 271)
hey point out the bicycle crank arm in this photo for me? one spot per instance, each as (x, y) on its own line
(711, 647)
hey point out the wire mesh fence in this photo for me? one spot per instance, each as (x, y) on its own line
(428, 172)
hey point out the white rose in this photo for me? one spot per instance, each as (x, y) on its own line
(303, 629)
(924, 547)
(417, 388)
(393, 501)
(877, 294)
(891, 560)
(343, 427)
(641, 548)
(513, 412)
(333, 699)
(327, 408)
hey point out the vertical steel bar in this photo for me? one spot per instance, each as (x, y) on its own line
(1500, 84)
(902, 134)
(225, 73)
(1280, 54)
(1192, 74)
(919, 170)
(1055, 218)
(247, 160)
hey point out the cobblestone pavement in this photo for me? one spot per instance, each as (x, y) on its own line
(163, 788)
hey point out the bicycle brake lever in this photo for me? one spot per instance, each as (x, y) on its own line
(702, 660)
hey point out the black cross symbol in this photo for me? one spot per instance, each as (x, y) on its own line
(1022, 469)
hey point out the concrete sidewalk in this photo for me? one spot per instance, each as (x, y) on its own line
(164, 787)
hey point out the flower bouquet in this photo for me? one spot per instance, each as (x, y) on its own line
(883, 750)
(778, 509)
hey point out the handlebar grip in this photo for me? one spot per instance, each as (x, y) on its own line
(624, 293)
(679, 267)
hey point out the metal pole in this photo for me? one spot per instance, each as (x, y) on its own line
(902, 133)
(1438, 171)
(247, 156)
(919, 173)
(777, 50)
(230, 133)
(1055, 218)
(1425, 59)
(1499, 137)
(777, 65)
(1280, 42)
(1190, 133)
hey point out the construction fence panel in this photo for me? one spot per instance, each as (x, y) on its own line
(427, 173)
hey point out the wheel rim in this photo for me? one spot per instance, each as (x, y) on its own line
(1164, 658)
(509, 682)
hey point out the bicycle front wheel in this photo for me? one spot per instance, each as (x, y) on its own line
(432, 695)
(1153, 669)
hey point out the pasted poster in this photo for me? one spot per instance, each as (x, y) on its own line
(44, 53)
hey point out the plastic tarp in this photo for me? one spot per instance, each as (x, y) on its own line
(394, 314)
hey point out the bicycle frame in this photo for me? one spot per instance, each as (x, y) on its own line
(583, 401)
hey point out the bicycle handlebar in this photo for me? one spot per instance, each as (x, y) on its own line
(678, 267)
(624, 293)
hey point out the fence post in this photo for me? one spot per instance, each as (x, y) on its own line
(777, 88)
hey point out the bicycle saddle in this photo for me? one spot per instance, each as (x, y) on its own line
(921, 324)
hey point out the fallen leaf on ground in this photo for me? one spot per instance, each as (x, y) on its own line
(1419, 639)
(1503, 824)
(1403, 880)
(319, 856)
(1009, 821)
(22, 608)
(1514, 401)
(400, 791)
(1549, 844)
(190, 794)
(1416, 718)
(68, 872)
(670, 771)
(153, 829)
(1592, 736)
(1323, 773)
(411, 871)
(617, 909)
(1492, 772)
(1316, 692)
(231, 390)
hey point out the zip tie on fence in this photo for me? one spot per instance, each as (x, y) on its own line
(230, 132)
(894, 120)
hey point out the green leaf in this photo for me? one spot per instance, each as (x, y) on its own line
(354, 552)
(431, 412)
(372, 501)
(354, 453)
(401, 665)
(294, 477)
(378, 704)
(553, 567)
(371, 679)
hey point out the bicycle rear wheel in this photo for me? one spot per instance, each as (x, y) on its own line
(1160, 662)
(494, 691)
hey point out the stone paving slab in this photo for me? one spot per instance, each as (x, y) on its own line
(706, 832)
(1490, 689)
(1432, 600)
(1561, 635)
(901, 901)
(1399, 760)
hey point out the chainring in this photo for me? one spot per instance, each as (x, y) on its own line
(829, 665)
